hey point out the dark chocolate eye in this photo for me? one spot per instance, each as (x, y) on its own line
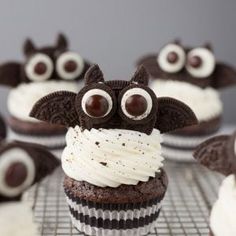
(69, 65)
(200, 62)
(136, 103)
(39, 67)
(17, 172)
(97, 103)
(171, 58)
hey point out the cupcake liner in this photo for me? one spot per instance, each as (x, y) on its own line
(99, 219)
(187, 142)
(50, 141)
(178, 155)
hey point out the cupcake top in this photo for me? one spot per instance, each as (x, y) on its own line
(222, 220)
(114, 136)
(111, 157)
(196, 66)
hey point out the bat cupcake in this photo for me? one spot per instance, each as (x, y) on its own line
(219, 154)
(193, 76)
(114, 181)
(44, 70)
(21, 165)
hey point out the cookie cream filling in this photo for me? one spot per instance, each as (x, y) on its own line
(111, 157)
(222, 220)
(22, 98)
(205, 103)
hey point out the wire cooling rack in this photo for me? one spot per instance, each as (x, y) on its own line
(191, 192)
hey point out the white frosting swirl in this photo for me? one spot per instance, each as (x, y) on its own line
(111, 157)
(22, 98)
(205, 103)
(222, 220)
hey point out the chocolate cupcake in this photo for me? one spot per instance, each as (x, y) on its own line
(44, 71)
(219, 154)
(114, 182)
(191, 75)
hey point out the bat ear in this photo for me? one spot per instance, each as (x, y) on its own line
(225, 76)
(208, 46)
(173, 115)
(212, 154)
(28, 47)
(177, 41)
(141, 76)
(10, 74)
(61, 43)
(57, 108)
(94, 75)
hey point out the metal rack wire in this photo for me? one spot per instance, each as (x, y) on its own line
(192, 190)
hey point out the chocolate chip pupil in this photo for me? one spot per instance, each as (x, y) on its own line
(136, 105)
(70, 66)
(40, 68)
(172, 57)
(96, 106)
(195, 61)
(16, 174)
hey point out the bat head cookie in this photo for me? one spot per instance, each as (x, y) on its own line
(42, 64)
(196, 66)
(218, 154)
(114, 104)
(22, 165)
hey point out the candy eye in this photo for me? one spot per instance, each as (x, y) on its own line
(200, 62)
(171, 58)
(97, 103)
(136, 103)
(39, 67)
(69, 65)
(17, 172)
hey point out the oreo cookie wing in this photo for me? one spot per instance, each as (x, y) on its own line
(173, 115)
(225, 76)
(217, 154)
(22, 165)
(10, 74)
(57, 108)
(3, 130)
(150, 63)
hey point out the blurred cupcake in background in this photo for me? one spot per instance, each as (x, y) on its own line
(193, 76)
(21, 166)
(115, 181)
(45, 70)
(219, 154)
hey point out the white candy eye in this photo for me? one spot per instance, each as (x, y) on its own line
(171, 58)
(17, 172)
(136, 103)
(200, 62)
(39, 67)
(69, 65)
(97, 103)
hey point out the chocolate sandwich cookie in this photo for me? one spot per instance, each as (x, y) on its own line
(45, 70)
(114, 180)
